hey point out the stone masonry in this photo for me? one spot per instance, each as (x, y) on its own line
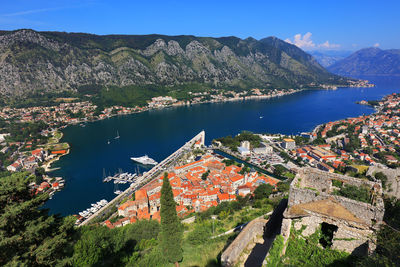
(312, 202)
(231, 255)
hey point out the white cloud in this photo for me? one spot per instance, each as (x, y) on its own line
(377, 45)
(302, 42)
(27, 12)
(305, 42)
(328, 45)
(72, 5)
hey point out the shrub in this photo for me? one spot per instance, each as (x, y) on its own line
(200, 235)
(353, 192)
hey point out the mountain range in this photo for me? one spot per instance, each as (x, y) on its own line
(328, 57)
(32, 62)
(369, 62)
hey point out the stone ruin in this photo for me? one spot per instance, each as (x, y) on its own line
(247, 236)
(312, 204)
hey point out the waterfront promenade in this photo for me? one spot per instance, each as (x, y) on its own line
(147, 176)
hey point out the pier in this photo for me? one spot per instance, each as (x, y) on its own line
(121, 178)
(147, 176)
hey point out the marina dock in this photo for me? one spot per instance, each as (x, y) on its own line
(120, 178)
(142, 180)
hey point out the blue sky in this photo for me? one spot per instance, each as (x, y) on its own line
(324, 24)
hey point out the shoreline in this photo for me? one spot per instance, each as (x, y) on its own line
(233, 99)
(47, 165)
(375, 108)
(214, 101)
(48, 168)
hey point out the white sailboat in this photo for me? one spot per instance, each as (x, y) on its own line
(117, 137)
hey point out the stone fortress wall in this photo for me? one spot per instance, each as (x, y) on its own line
(312, 185)
(231, 255)
(311, 189)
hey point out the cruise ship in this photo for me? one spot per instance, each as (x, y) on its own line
(145, 160)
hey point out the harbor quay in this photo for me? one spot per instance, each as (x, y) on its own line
(144, 179)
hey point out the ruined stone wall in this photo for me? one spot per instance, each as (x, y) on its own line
(364, 211)
(317, 181)
(393, 182)
(353, 236)
(346, 238)
(321, 180)
(305, 188)
(230, 256)
(299, 195)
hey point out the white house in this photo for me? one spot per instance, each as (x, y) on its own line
(244, 151)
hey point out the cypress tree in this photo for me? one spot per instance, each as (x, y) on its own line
(171, 228)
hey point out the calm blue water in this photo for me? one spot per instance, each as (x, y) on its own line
(159, 133)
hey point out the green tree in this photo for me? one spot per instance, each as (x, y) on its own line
(279, 170)
(381, 176)
(28, 235)
(171, 228)
(283, 187)
(205, 175)
(263, 191)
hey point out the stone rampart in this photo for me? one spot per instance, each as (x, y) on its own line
(231, 255)
(311, 177)
(364, 211)
(355, 221)
(393, 179)
(311, 185)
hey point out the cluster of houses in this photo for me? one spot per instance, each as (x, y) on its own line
(49, 184)
(196, 187)
(217, 96)
(28, 162)
(67, 113)
(52, 115)
(378, 132)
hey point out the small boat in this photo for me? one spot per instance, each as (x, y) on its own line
(117, 137)
(118, 192)
(261, 117)
(108, 142)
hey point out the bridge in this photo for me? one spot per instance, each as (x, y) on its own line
(148, 176)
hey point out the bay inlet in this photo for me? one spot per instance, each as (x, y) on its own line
(158, 133)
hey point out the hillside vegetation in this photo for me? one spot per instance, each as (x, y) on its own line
(33, 63)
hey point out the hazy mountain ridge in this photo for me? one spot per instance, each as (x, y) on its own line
(57, 61)
(369, 61)
(329, 57)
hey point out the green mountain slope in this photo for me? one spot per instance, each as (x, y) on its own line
(33, 61)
